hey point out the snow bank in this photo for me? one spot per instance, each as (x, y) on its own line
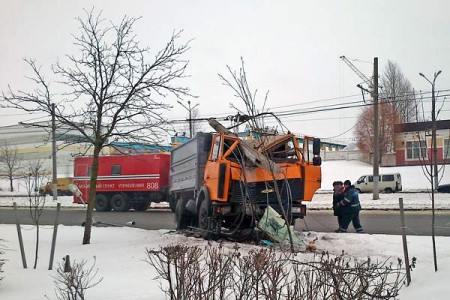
(120, 256)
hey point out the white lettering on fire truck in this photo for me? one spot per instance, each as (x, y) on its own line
(152, 186)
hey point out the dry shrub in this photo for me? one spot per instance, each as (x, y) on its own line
(73, 281)
(192, 272)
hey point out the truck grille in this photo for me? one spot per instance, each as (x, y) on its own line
(260, 192)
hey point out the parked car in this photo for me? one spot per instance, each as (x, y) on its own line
(444, 188)
(387, 183)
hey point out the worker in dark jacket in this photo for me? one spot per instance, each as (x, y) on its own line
(338, 196)
(350, 208)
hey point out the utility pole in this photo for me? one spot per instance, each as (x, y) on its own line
(189, 109)
(376, 138)
(373, 90)
(55, 179)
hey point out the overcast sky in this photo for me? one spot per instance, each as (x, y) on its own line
(290, 48)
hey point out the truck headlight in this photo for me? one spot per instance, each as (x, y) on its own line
(296, 210)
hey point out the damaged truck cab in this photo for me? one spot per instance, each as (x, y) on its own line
(222, 184)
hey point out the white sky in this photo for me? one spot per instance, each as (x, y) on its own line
(290, 48)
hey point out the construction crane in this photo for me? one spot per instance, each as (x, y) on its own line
(365, 79)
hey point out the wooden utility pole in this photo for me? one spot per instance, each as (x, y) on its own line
(376, 138)
(55, 178)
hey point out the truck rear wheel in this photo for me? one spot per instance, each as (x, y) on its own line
(102, 203)
(182, 216)
(172, 203)
(119, 203)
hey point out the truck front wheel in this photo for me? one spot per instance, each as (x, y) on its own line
(203, 219)
(119, 203)
(102, 203)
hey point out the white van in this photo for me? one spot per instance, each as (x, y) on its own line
(388, 183)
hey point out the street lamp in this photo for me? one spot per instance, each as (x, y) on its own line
(189, 109)
(433, 128)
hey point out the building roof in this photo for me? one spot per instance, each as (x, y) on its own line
(139, 147)
(421, 126)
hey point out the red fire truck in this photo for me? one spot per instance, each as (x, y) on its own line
(125, 181)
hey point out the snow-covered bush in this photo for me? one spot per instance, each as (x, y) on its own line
(72, 281)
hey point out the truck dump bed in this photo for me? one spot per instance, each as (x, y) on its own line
(187, 163)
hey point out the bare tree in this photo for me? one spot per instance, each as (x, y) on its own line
(113, 91)
(241, 88)
(239, 84)
(364, 128)
(11, 163)
(34, 178)
(398, 91)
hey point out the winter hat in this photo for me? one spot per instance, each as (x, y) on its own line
(347, 182)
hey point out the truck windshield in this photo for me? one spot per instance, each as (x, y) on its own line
(284, 151)
(232, 150)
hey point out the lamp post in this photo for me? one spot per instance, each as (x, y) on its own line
(189, 109)
(433, 169)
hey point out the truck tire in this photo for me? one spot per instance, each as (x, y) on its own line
(143, 206)
(102, 203)
(204, 219)
(172, 203)
(182, 216)
(119, 203)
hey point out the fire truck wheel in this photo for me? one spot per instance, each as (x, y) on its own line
(102, 203)
(182, 217)
(119, 203)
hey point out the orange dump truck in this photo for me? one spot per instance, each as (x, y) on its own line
(222, 184)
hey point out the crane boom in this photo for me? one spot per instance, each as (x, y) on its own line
(358, 72)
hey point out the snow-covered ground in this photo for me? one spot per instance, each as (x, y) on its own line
(120, 257)
(120, 252)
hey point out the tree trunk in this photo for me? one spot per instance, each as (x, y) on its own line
(91, 198)
(11, 187)
(36, 253)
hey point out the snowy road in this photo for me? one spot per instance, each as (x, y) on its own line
(381, 222)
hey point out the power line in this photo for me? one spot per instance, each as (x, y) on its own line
(341, 134)
(310, 110)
